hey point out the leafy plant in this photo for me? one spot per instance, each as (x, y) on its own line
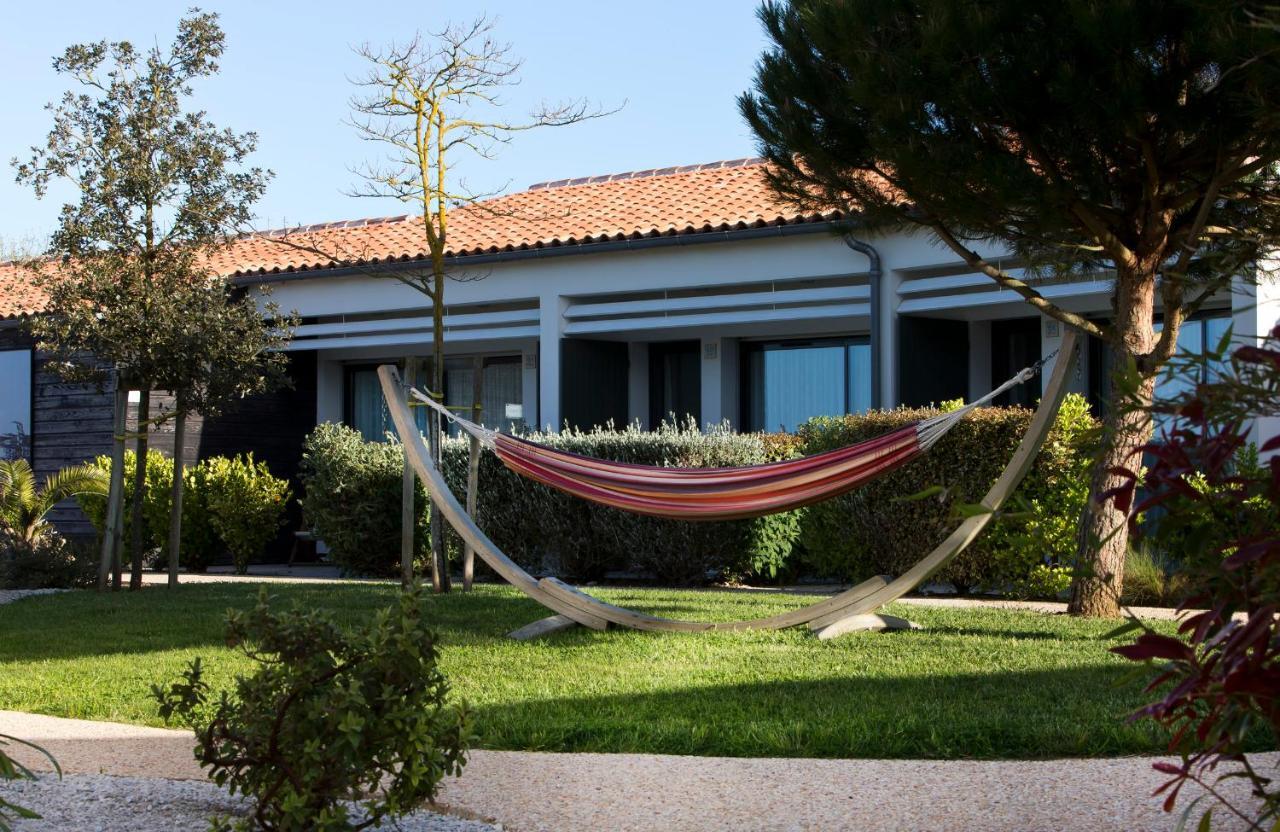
(1220, 677)
(245, 505)
(11, 769)
(23, 505)
(874, 530)
(328, 719)
(54, 563)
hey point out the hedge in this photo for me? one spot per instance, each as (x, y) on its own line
(875, 530)
(353, 492)
(353, 488)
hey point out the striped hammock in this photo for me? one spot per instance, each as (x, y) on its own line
(719, 493)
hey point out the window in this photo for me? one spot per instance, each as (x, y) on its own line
(15, 404)
(1196, 335)
(501, 396)
(787, 383)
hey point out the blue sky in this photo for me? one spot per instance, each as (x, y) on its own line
(678, 65)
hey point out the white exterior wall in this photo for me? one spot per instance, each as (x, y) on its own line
(1255, 311)
(746, 289)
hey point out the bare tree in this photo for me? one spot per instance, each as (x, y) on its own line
(427, 101)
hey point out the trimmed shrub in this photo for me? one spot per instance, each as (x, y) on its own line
(329, 721)
(245, 505)
(351, 499)
(54, 563)
(875, 530)
(240, 518)
(548, 531)
(353, 502)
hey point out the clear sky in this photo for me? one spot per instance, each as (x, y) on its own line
(678, 65)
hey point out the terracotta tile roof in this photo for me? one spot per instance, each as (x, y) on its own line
(18, 297)
(665, 202)
(695, 199)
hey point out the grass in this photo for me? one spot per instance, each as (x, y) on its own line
(972, 684)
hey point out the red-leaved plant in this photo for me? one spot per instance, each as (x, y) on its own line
(1219, 679)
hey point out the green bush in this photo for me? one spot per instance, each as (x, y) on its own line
(245, 505)
(201, 542)
(548, 531)
(327, 719)
(351, 499)
(155, 502)
(353, 487)
(1153, 579)
(874, 530)
(53, 563)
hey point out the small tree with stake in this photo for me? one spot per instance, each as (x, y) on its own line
(1137, 137)
(428, 101)
(160, 189)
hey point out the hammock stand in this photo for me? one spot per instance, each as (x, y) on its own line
(849, 611)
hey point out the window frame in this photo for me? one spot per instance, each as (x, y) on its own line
(31, 396)
(749, 348)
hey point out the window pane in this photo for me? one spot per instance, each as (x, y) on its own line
(15, 404)
(502, 385)
(790, 386)
(369, 413)
(859, 378)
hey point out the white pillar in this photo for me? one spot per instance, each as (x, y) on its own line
(551, 325)
(638, 384)
(979, 360)
(1255, 311)
(529, 385)
(712, 394)
(730, 382)
(1050, 341)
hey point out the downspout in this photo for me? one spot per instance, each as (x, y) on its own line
(874, 275)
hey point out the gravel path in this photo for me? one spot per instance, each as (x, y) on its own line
(533, 792)
(110, 804)
(8, 596)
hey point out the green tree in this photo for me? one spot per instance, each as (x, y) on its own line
(1136, 138)
(132, 298)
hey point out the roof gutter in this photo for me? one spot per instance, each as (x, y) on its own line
(874, 278)
(642, 244)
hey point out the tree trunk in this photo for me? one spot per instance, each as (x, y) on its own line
(175, 507)
(473, 470)
(139, 489)
(115, 491)
(408, 516)
(1104, 531)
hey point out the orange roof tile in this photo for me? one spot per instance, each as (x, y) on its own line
(18, 296)
(696, 199)
(690, 200)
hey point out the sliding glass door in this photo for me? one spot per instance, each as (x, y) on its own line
(786, 383)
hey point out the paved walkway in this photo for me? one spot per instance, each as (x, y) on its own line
(531, 792)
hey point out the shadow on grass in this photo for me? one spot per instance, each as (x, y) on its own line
(1073, 712)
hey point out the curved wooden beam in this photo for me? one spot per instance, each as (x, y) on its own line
(857, 601)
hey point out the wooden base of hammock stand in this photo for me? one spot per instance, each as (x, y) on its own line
(876, 622)
(850, 611)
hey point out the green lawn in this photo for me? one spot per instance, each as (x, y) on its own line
(973, 683)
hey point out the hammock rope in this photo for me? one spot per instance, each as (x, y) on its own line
(720, 493)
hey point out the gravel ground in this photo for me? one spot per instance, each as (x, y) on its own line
(8, 596)
(94, 802)
(533, 792)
